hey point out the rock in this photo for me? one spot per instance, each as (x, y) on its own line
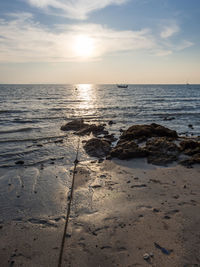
(92, 128)
(74, 125)
(146, 256)
(96, 147)
(127, 150)
(19, 162)
(82, 128)
(110, 138)
(195, 159)
(190, 147)
(161, 151)
(147, 131)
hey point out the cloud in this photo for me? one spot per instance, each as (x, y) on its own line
(74, 9)
(168, 31)
(162, 52)
(23, 40)
(183, 45)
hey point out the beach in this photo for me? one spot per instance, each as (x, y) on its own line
(99, 133)
(135, 198)
(121, 212)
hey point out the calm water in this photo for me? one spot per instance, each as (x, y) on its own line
(31, 115)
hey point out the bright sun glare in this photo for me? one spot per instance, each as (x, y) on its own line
(84, 46)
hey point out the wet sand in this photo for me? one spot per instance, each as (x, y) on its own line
(121, 210)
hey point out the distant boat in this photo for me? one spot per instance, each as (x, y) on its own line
(122, 85)
(187, 85)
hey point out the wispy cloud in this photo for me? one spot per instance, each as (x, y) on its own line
(23, 40)
(170, 30)
(163, 52)
(75, 9)
(183, 45)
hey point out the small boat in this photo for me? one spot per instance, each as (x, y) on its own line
(122, 85)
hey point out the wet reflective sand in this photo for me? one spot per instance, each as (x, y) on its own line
(119, 210)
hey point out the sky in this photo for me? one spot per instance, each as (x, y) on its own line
(100, 41)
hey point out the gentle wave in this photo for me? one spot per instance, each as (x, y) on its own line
(18, 130)
(31, 115)
(31, 139)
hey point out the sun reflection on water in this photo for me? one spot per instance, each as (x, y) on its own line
(86, 93)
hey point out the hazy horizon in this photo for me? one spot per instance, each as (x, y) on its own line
(98, 83)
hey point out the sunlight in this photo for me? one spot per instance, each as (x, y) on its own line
(86, 94)
(84, 46)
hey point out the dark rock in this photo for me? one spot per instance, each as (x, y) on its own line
(19, 162)
(161, 151)
(190, 147)
(147, 131)
(97, 147)
(128, 149)
(195, 159)
(82, 128)
(74, 125)
(92, 128)
(110, 138)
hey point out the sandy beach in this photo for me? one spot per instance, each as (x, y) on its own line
(123, 213)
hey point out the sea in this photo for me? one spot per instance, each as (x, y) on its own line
(31, 116)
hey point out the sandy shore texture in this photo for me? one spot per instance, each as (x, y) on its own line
(123, 213)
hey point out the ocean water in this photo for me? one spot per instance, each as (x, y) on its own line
(31, 116)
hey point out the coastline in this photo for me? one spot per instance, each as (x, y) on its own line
(120, 209)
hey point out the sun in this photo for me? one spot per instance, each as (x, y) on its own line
(84, 46)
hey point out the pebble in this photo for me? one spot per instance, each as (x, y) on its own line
(156, 210)
(146, 256)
